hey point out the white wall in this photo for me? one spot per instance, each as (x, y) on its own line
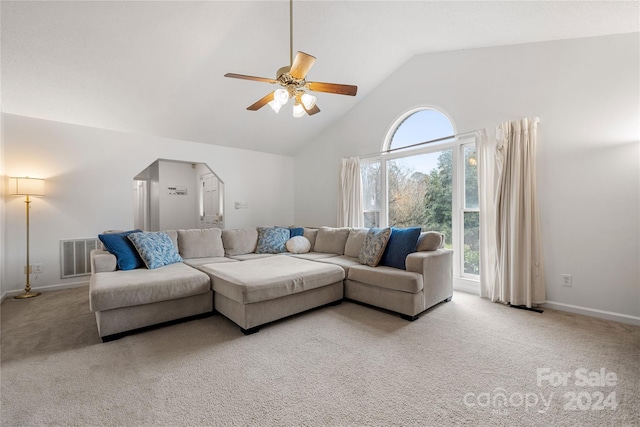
(178, 212)
(586, 93)
(88, 176)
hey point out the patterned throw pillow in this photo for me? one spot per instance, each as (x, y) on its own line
(373, 247)
(155, 248)
(272, 240)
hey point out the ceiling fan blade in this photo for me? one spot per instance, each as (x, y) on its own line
(333, 88)
(301, 65)
(261, 103)
(243, 77)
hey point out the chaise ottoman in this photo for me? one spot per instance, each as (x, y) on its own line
(259, 291)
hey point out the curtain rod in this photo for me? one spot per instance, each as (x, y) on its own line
(444, 138)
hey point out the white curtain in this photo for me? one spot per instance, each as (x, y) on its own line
(350, 194)
(511, 264)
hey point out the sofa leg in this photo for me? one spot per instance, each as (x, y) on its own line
(448, 299)
(409, 318)
(250, 330)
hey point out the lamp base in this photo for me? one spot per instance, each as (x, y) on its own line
(25, 295)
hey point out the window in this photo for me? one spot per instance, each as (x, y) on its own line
(471, 212)
(433, 186)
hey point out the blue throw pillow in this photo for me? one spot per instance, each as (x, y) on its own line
(272, 240)
(127, 257)
(296, 231)
(402, 242)
(155, 248)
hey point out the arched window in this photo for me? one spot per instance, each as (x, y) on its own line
(426, 177)
(419, 126)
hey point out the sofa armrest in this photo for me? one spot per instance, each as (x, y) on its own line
(436, 268)
(102, 261)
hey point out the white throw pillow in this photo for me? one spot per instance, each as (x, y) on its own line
(298, 245)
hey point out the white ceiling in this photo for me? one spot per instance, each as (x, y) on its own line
(156, 67)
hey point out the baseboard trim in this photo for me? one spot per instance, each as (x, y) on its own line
(47, 288)
(466, 285)
(592, 312)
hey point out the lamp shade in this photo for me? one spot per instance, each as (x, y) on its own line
(26, 186)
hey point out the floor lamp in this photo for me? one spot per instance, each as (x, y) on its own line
(27, 187)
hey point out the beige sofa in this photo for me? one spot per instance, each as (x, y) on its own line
(221, 270)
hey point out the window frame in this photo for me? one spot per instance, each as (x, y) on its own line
(462, 209)
(457, 143)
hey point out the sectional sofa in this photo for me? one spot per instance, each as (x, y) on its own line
(251, 280)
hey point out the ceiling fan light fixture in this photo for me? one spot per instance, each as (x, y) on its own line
(292, 79)
(275, 106)
(298, 111)
(309, 101)
(281, 96)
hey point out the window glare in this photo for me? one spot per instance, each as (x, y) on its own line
(421, 126)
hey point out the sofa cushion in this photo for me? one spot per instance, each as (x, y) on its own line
(373, 247)
(313, 256)
(387, 277)
(331, 240)
(239, 241)
(136, 287)
(173, 235)
(155, 248)
(266, 279)
(401, 243)
(298, 245)
(311, 234)
(127, 257)
(430, 241)
(346, 262)
(198, 243)
(197, 262)
(247, 257)
(354, 242)
(272, 240)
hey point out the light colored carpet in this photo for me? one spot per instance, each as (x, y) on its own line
(343, 365)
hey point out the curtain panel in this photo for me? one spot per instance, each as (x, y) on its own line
(511, 264)
(350, 194)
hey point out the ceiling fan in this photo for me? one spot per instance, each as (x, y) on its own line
(291, 78)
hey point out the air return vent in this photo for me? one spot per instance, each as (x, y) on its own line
(74, 257)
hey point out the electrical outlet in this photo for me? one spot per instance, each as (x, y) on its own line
(36, 268)
(567, 280)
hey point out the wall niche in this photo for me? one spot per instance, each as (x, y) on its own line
(174, 195)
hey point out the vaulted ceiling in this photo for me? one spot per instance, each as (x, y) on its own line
(157, 67)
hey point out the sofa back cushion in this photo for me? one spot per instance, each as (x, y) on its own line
(430, 241)
(239, 241)
(173, 235)
(198, 243)
(402, 242)
(331, 240)
(354, 242)
(311, 234)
